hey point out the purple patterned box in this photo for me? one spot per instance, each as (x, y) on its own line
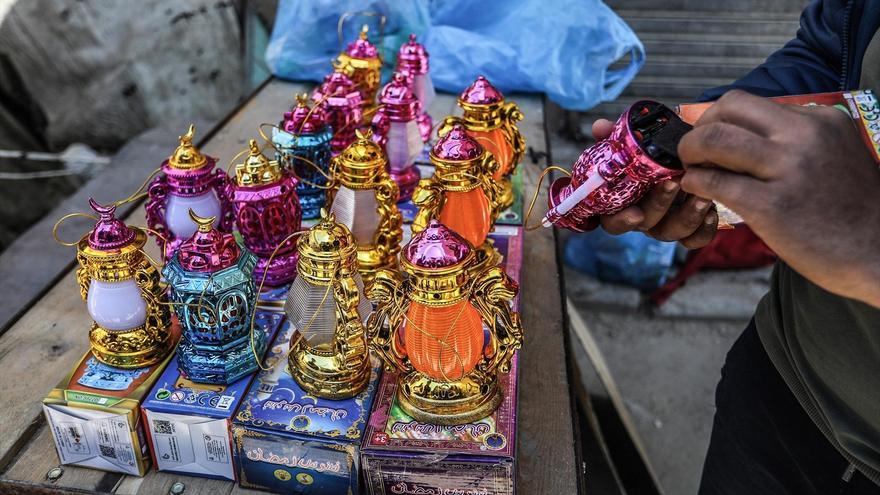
(404, 456)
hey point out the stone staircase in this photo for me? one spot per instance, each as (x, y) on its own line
(688, 51)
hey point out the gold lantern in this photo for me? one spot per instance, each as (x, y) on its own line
(462, 194)
(364, 199)
(131, 321)
(361, 62)
(492, 121)
(429, 326)
(329, 356)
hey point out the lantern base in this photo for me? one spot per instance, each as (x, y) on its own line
(469, 399)
(281, 271)
(311, 201)
(220, 365)
(136, 348)
(407, 180)
(485, 257)
(322, 371)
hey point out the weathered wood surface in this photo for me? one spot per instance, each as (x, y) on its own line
(45, 342)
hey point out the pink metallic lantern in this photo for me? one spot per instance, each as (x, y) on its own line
(396, 129)
(342, 104)
(189, 181)
(267, 212)
(412, 60)
(616, 172)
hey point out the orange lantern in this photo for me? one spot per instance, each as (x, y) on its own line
(429, 325)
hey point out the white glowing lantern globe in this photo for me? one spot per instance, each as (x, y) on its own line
(177, 208)
(116, 306)
(404, 144)
(423, 87)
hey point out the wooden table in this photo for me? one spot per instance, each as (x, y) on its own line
(44, 324)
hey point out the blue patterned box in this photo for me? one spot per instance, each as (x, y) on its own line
(188, 424)
(290, 442)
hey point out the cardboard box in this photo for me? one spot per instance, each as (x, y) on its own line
(288, 441)
(405, 456)
(188, 424)
(94, 415)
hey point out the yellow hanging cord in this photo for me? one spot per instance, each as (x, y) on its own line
(547, 170)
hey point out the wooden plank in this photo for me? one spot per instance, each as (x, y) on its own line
(547, 440)
(40, 457)
(53, 333)
(547, 437)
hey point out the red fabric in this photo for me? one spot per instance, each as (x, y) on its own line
(733, 248)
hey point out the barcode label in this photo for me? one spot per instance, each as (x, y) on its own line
(163, 427)
(107, 451)
(225, 402)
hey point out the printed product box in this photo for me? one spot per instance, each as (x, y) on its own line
(94, 415)
(290, 442)
(188, 424)
(404, 456)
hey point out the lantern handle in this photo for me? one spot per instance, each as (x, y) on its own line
(260, 290)
(526, 226)
(139, 193)
(64, 219)
(366, 13)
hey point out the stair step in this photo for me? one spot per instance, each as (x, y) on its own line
(675, 88)
(709, 6)
(785, 24)
(711, 46)
(696, 66)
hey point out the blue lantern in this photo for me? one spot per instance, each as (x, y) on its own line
(303, 144)
(213, 292)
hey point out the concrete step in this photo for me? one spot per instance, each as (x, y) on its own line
(696, 66)
(678, 89)
(746, 23)
(712, 45)
(711, 5)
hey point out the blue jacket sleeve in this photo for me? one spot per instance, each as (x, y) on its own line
(810, 63)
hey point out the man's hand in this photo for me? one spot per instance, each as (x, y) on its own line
(803, 180)
(664, 213)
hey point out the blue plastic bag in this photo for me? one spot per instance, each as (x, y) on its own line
(562, 48)
(632, 258)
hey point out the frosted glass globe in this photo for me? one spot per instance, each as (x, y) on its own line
(424, 90)
(116, 305)
(177, 212)
(404, 144)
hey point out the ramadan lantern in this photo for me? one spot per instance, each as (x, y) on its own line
(616, 172)
(132, 323)
(364, 199)
(214, 295)
(302, 142)
(326, 306)
(267, 212)
(361, 62)
(429, 326)
(189, 181)
(462, 193)
(492, 121)
(412, 60)
(396, 129)
(342, 104)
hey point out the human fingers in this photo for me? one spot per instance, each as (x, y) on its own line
(737, 191)
(759, 115)
(655, 205)
(730, 147)
(704, 233)
(602, 128)
(625, 220)
(683, 221)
